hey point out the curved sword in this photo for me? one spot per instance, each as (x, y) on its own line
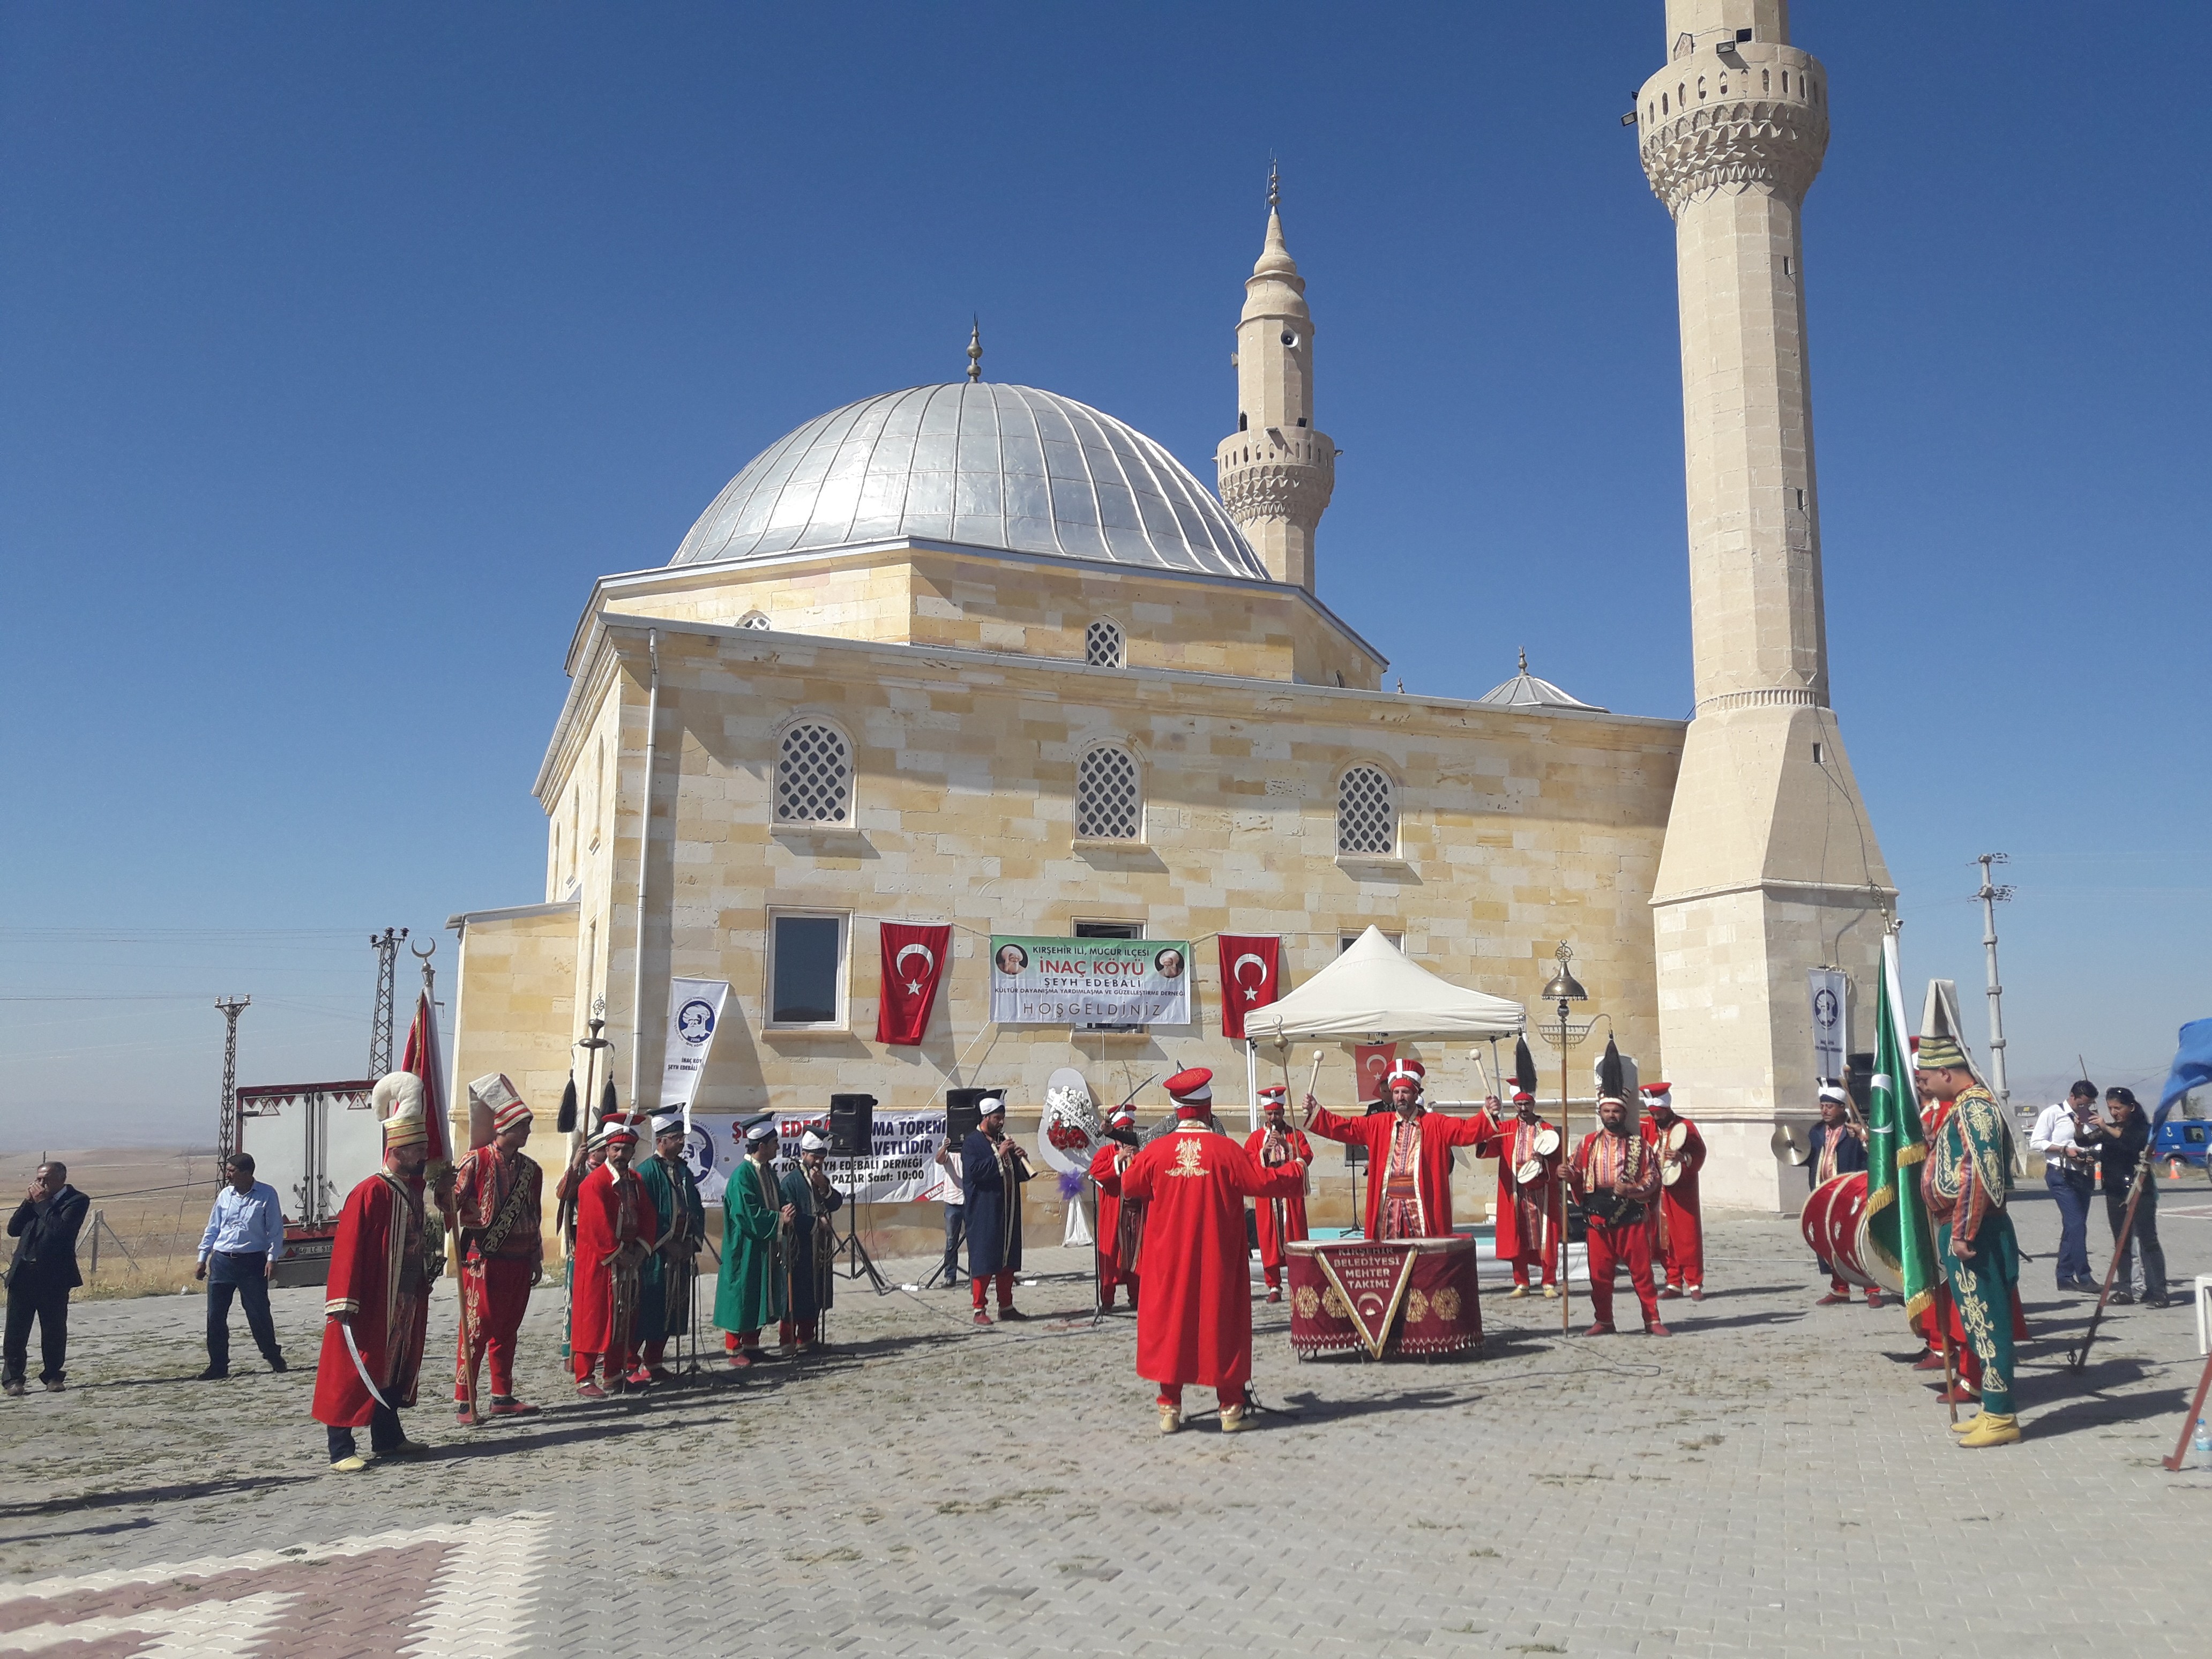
(354, 1348)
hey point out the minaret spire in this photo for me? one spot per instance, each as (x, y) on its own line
(1276, 471)
(975, 349)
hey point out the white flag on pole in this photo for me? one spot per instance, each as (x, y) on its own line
(1830, 989)
(695, 1009)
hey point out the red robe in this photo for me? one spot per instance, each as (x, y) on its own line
(381, 1281)
(613, 1220)
(1278, 1221)
(1527, 1218)
(495, 1285)
(1431, 1169)
(1678, 1227)
(1120, 1222)
(1196, 1323)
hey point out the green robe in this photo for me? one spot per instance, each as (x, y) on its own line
(664, 1287)
(750, 1292)
(1967, 1178)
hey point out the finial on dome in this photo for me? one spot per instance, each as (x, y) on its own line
(975, 349)
(1524, 658)
(1275, 186)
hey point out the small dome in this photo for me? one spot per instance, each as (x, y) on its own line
(1525, 690)
(1008, 468)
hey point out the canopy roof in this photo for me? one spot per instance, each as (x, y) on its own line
(1373, 993)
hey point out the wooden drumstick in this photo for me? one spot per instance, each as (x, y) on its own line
(1312, 1077)
(1476, 1055)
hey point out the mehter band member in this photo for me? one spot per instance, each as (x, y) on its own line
(1615, 1175)
(376, 1304)
(1836, 1146)
(1965, 1179)
(502, 1249)
(1195, 1325)
(813, 1238)
(680, 1221)
(1278, 1221)
(1121, 1219)
(992, 1169)
(1408, 1155)
(1678, 1220)
(1529, 1153)
(615, 1233)
(750, 1290)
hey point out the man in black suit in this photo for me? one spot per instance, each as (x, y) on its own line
(40, 1278)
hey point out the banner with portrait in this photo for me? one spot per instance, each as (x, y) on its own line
(1829, 990)
(1089, 981)
(695, 1009)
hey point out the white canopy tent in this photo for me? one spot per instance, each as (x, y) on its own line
(1374, 993)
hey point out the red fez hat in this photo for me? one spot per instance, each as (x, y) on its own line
(1405, 1071)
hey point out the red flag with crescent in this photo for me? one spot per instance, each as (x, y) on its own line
(913, 961)
(1251, 977)
(421, 1057)
(1373, 1061)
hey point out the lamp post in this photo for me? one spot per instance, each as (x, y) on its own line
(1564, 1034)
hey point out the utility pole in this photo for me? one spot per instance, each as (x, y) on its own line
(227, 1133)
(379, 1030)
(1990, 896)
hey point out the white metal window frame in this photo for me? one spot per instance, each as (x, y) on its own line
(1396, 816)
(843, 1018)
(1136, 836)
(783, 730)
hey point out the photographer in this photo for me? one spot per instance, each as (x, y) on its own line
(2122, 1142)
(2069, 1171)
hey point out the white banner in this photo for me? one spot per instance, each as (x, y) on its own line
(1830, 989)
(695, 1009)
(1089, 981)
(901, 1166)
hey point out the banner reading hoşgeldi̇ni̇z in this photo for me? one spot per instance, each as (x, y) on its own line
(1089, 981)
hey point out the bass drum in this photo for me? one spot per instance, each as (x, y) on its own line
(1834, 1222)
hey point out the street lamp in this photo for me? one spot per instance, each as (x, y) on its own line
(1564, 1033)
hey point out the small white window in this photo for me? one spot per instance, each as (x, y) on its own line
(814, 776)
(1108, 805)
(806, 969)
(754, 619)
(1102, 645)
(1366, 813)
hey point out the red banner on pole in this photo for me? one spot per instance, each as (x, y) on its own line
(422, 1058)
(1373, 1061)
(1251, 978)
(913, 961)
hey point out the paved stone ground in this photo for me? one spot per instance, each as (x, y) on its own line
(1772, 1480)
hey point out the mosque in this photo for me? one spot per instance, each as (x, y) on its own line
(981, 654)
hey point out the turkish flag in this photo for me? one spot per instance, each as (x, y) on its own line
(1373, 1061)
(421, 1057)
(1251, 977)
(914, 961)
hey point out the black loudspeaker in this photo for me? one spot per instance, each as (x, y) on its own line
(1858, 1080)
(852, 1125)
(961, 1115)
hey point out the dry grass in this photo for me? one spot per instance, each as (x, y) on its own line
(152, 1202)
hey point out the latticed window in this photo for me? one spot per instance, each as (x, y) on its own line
(814, 777)
(1366, 813)
(755, 619)
(1101, 644)
(1107, 804)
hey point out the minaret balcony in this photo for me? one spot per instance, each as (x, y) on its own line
(1277, 472)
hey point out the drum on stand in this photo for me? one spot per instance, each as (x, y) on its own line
(1835, 1223)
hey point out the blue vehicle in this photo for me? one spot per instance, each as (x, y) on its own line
(2185, 1138)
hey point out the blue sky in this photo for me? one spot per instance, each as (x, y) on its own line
(343, 346)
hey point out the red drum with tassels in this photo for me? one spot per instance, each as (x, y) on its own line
(1834, 1222)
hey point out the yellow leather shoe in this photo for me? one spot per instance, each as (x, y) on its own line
(1517, 1292)
(353, 1465)
(1992, 1431)
(1550, 1292)
(1170, 1418)
(1234, 1419)
(1970, 1424)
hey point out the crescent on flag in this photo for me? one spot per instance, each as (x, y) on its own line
(1236, 970)
(929, 962)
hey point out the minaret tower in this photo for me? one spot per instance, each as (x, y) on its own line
(1276, 471)
(1771, 867)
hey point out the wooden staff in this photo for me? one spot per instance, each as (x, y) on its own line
(1950, 1361)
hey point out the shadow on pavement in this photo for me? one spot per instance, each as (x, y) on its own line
(181, 1491)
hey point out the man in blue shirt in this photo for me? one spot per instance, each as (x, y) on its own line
(244, 1241)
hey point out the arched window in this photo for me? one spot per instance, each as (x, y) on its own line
(1366, 812)
(814, 776)
(1102, 644)
(755, 619)
(1108, 803)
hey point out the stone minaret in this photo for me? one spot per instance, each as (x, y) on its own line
(1771, 867)
(1276, 471)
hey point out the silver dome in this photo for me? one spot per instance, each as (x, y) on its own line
(979, 464)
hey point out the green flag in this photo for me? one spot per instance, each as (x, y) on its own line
(1897, 1218)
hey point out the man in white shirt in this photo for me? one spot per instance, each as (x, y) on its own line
(956, 1215)
(238, 1253)
(2069, 1171)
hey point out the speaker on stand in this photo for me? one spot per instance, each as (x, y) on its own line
(963, 1115)
(851, 1134)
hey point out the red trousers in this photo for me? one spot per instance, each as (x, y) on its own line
(1684, 1253)
(789, 1331)
(497, 1301)
(1171, 1395)
(1004, 1281)
(1521, 1268)
(1612, 1248)
(1273, 1238)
